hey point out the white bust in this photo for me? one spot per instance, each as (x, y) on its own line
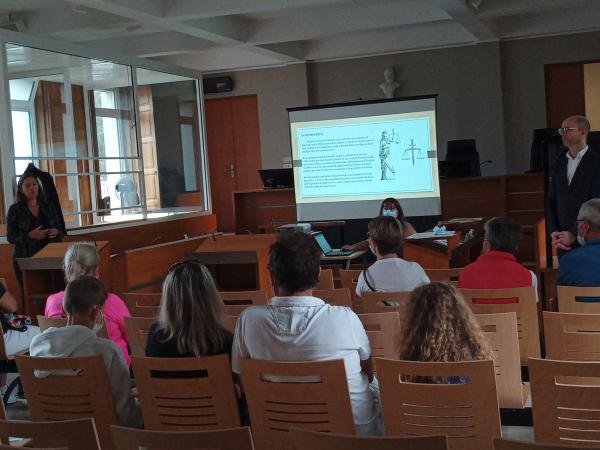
(389, 84)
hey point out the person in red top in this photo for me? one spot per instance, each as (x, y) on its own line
(497, 267)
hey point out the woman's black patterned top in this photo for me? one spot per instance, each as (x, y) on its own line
(20, 221)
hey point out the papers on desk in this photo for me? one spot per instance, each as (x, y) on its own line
(430, 235)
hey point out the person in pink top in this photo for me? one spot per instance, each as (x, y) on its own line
(82, 258)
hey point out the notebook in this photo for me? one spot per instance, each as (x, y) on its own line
(326, 248)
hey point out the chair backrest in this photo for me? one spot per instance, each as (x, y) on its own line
(325, 280)
(244, 298)
(506, 444)
(501, 331)
(230, 439)
(383, 330)
(281, 395)
(303, 439)
(444, 274)
(572, 299)
(524, 306)
(229, 323)
(71, 388)
(378, 302)
(349, 279)
(336, 297)
(146, 304)
(572, 337)
(565, 397)
(186, 393)
(137, 333)
(77, 434)
(235, 310)
(46, 322)
(466, 412)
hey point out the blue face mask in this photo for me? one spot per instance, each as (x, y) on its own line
(390, 212)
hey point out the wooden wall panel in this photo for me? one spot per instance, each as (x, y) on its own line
(565, 93)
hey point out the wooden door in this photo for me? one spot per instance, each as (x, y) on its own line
(565, 93)
(232, 137)
(148, 137)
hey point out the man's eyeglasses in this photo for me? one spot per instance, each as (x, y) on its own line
(578, 221)
(564, 130)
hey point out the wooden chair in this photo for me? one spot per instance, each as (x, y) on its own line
(306, 439)
(505, 444)
(146, 304)
(373, 302)
(46, 322)
(78, 434)
(325, 280)
(501, 331)
(189, 394)
(230, 439)
(77, 388)
(229, 323)
(317, 399)
(244, 297)
(467, 413)
(572, 337)
(137, 333)
(383, 330)
(565, 398)
(524, 306)
(568, 302)
(444, 275)
(349, 279)
(336, 297)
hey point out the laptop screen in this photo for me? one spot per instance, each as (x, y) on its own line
(322, 242)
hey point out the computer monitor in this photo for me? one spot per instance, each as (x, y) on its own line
(277, 178)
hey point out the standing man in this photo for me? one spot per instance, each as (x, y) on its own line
(575, 179)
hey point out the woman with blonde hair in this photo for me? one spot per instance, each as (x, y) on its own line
(442, 329)
(191, 316)
(82, 258)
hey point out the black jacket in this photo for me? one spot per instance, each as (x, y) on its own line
(564, 200)
(50, 192)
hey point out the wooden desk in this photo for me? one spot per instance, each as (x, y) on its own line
(345, 260)
(238, 262)
(434, 255)
(43, 274)
(263, 209)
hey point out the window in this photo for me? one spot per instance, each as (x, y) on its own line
(76, 119)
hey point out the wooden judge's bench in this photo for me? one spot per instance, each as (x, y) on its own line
(519, 197)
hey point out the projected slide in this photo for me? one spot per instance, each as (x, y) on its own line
(348, 157)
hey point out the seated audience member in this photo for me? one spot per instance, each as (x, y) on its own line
(497, 267)
(580, 266)
(389, 273)
(82, 258)
(389, 207)
(84, 299)
(295, 326)
(442, 329)
(17, 334)
(190, 322)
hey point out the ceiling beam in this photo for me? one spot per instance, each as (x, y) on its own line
(467, 17)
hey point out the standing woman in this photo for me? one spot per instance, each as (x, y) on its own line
(32, 222)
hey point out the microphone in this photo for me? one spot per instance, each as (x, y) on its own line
(487, 161)
(555, 133)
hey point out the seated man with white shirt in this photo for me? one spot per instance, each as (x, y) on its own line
(295, 326)
(389, 273)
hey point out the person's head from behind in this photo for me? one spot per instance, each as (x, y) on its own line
(29, 189)
(588, 221)
(391, 207)
(385, 236)
(501, 235)
(442, 327)
(294, 263)
(191, 310)
(81, 258)
(84, 300)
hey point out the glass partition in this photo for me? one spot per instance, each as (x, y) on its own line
(75, 118)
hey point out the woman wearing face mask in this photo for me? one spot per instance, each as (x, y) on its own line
(32, 222)
(82, 258)
(389, 207)
(389, 273)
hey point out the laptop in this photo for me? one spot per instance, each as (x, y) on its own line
(326, 248)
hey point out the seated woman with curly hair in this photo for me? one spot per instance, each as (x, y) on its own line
(442, 329)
